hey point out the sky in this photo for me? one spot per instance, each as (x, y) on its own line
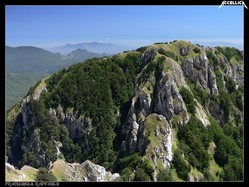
(50, 26)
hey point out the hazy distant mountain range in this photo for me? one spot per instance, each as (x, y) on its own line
(112, 48)
(220, 43)
(95, 47)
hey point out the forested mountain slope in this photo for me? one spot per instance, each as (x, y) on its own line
(165, 112)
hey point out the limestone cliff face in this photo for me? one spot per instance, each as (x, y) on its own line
(234, 71)
(76, 125)
(156, 101)
(25, 124)
(197, 69)
(168, 100)
(148, 55)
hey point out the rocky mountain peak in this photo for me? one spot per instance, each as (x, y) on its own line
(151, 114)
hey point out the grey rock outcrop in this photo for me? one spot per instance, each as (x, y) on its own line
(63, 171)
(184, 51)
(236, 72)
(169, 101)
(148, 54)
(197, 69)
(75, 124)
(98, 173)
(201, 114)
(38, 91)
(212, 82)
(132, 139)
(84, 172)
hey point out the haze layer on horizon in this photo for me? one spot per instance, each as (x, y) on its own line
(134, 26)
